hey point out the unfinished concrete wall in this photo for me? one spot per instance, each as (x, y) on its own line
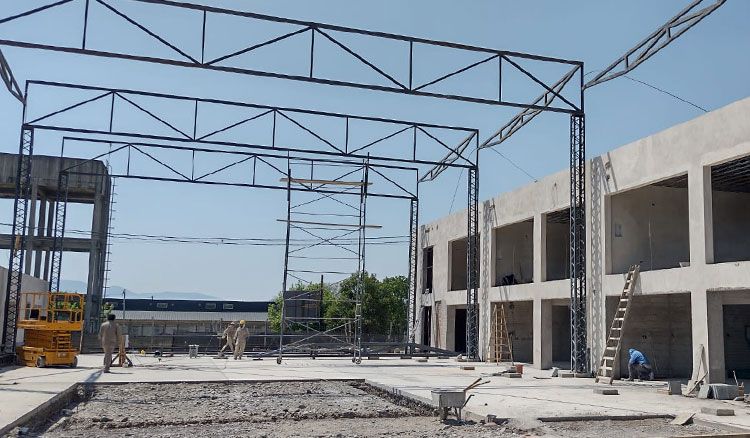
(514, 253)
(519, 317)
(561, 333)
(457, 251)
(731, 216)
(558, 251)
(660, 327)
(649, 226)
(737, 340)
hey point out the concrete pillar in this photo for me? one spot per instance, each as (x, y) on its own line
(96, 260)
(708, 327)
(50, 230)
(40, 232)
(30, 228)
(701, 215)
(540, 248)
(542, 333)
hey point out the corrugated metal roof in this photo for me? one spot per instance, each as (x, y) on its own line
(147, 315)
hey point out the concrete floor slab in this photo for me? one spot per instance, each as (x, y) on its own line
(22, 389)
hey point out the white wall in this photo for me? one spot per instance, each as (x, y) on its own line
(649, 226)
(28, 284)
(514, 252)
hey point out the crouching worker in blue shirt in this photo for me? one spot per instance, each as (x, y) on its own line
(639, 367)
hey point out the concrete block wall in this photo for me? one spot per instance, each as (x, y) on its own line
(659, 326)
(737, 339)
(688, 149)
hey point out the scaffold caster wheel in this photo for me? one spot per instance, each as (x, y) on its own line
(74, 363)
(41, 362)
(358, 361)
(278, 361)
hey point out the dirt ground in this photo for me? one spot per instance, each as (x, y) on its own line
(295, 409)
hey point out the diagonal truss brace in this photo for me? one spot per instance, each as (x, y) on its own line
(9, 80)
(668, 32)
(659, 39)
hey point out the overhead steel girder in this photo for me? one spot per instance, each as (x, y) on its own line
(660, 38)
(436, 83)
(416, 139)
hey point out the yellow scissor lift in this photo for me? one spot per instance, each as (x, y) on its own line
(48, 320)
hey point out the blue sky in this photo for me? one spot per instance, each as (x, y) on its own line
(708, 66)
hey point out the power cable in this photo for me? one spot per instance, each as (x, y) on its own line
(456, 190)
(657, 89)
(514, 164)
(376, 240)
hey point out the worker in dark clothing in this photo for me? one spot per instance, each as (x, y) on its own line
(639, 367)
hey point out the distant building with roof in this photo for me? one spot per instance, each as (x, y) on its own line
(175, 324)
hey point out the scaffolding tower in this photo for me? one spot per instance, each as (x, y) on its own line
(338, 250)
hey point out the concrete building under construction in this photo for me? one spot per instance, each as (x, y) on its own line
(676, 203)
(88, 183)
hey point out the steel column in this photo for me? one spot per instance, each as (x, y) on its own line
(15, 264)
(286, 258)
(359, 291)
(61, 209)
(578, 346)
(472, 266)
(413, 263)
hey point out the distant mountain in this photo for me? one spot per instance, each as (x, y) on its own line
(116, 292)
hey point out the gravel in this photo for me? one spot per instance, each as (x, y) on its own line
(295, 409)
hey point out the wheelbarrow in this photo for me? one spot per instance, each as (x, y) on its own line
(454, 399)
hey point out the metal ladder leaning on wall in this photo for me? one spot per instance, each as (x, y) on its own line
(500, 347)
(617, 330)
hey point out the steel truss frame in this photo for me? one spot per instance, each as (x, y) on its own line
(306, 32)
(119, 142)
(438, 86)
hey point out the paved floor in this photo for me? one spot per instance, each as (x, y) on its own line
(24, 388)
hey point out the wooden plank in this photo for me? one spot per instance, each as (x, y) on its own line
(325, 182)
(329, 224)
(683, 418)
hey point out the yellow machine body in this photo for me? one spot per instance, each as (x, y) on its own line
(48, 320)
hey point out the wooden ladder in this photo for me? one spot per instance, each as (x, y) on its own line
(617, 330)
(500, 347)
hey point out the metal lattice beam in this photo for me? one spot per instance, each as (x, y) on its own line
(578, 347)
(417, 56)
(660, 38)
(413, 263)
(9, 80)
(15, 264)
(472, 267)
(61, 210)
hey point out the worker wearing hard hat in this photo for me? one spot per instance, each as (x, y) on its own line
(229, 336)
(240, 337)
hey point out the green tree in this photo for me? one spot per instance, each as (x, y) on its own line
(384, 305)
(274, 313)
(395, 292)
